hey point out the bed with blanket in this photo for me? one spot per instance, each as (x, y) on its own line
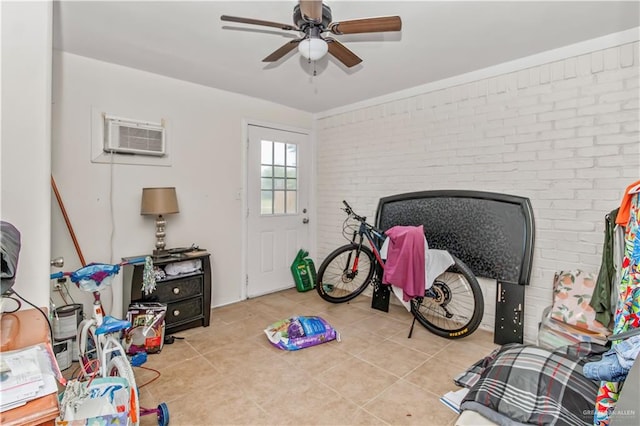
(527, 384)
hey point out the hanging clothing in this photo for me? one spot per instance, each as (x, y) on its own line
(627, 315)
(404, 266)
(601, 298)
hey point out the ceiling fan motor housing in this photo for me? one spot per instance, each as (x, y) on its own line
(303, 24)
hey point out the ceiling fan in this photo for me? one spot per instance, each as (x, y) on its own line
(312, 19)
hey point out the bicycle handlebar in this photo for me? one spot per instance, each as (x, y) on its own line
(57, 275)
(107, 269)
(350, 212)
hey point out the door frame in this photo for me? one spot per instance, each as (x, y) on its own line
(243, 193)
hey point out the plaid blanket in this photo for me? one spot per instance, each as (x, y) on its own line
(529, 384)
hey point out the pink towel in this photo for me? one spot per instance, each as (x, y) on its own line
(404, 266)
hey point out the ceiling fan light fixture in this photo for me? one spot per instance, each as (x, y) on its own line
(313, 48)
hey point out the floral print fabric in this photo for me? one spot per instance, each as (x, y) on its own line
(627, 315)
(572, 294)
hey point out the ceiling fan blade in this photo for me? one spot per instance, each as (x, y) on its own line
(259, 22)
(367, 25)
(340, 51)
(282, 51)
(311, 10)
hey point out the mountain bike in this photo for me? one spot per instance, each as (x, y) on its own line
(451, 307)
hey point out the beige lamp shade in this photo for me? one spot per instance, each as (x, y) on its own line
(159, 201)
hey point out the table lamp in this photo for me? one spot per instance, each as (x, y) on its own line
(158, 202)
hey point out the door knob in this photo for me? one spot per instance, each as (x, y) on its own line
(305, 220)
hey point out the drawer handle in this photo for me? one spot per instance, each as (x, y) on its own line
(176, 290)
(176, 313)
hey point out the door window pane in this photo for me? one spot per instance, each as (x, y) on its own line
(266, 154)
(292, 201)
(292, 151)
(278, 182)
(279, 153)
(266, 184)
(266, 202)
(278, 202)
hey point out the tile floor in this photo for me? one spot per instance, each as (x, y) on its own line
(229, 374)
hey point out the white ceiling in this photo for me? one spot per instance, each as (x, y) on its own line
(186, 40)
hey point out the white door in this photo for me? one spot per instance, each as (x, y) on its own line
(277, 199)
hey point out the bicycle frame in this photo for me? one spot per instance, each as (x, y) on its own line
(106, 343)
(92, 278)
(109, 353)
(372, 235)
(375, 237)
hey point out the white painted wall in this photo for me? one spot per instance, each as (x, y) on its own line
(560, 128)
(207, 163)
(26, 139)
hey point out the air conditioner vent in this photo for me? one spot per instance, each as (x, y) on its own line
(133, 137)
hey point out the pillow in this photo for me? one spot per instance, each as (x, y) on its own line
(529, 384)
(572, 291)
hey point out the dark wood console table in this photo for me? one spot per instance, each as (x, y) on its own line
(188, 296)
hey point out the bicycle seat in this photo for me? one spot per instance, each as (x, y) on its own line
(111, 324)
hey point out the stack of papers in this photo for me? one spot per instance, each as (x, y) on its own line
(453, 399)
(24, 375)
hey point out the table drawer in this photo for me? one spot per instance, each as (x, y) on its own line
(178, 289)
(186, 310)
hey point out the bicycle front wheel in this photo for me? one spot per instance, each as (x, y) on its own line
(345, 273)
(119, 366)
(453, 306)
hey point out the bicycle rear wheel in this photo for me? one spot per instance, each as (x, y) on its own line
(453, 307)
(345, 273)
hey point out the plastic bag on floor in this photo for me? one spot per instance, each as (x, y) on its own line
(300, 332)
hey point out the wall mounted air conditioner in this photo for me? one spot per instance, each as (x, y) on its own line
(126, 136)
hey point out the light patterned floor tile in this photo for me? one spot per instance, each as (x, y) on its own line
(229, 374)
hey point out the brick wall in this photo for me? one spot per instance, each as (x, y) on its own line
(564, 134)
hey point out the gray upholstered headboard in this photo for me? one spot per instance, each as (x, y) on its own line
(492, 233)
